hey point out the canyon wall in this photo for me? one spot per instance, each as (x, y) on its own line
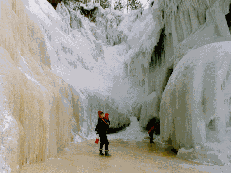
(38, 108)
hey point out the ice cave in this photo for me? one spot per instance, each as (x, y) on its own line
(166, 64)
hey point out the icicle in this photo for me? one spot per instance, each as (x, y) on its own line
(179, 28)
(187, 21)
(185, 30)
(174, 34)
(220, 118)
(194, 20)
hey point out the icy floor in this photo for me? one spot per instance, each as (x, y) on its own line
(211, 169)
(127, 157)
(134, 134)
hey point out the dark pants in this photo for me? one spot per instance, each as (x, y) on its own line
(151, 137)
(103, 140)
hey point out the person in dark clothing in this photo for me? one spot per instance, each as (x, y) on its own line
(101, 129)
(153, 127)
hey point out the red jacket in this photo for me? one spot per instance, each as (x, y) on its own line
(151, 129)
(106, 116)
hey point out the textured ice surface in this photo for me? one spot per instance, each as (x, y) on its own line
(194, 96)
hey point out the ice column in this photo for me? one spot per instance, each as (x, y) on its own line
(187, 21)
(194, 20)
(174, 35)
(198, 123)
(183, 24)
(220, 111)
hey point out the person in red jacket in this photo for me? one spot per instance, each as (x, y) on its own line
(101, 129)
(150, 132)
(153, 127)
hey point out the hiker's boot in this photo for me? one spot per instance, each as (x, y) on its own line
(106, 153)
(100, 152)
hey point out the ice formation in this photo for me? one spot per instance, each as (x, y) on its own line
(37, 106)
(180, 27)
(59, 67)
(194, 97)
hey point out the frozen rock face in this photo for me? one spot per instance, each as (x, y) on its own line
(37, 107)
(194, 96)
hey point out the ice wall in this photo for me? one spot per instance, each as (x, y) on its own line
(87, 64)
(142, 33)
(194, 96)
(186, 20)
(37, 107)
(187, 26)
